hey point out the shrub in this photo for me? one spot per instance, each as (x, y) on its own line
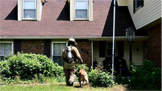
(27, 66)
(59, 73)
(83, 66)
(100, 79)
(145, 77)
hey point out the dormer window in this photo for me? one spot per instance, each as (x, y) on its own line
(81, 9)
(29, 8)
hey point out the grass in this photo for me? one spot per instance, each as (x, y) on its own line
(53, 85)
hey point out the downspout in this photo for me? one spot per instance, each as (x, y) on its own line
(113, 44)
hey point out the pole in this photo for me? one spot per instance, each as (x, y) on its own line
(130, 55)
(113, 44)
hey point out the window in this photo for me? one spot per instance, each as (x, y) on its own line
(29, 9)
(109, 49)
(138, 4)
(57, 48)
(6, 48)
(81, 9)
(105, 49)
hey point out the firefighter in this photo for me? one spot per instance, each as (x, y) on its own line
(71, 57)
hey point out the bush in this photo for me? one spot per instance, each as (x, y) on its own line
(145, 77)
(100, 79)
(83, 66)
(27, 66)
(59, 73)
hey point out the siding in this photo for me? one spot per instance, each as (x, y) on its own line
(137, 56)
(150, 12)
(96, 52)
(122, 2)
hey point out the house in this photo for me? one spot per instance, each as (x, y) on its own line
(146, 16)
(29, 26)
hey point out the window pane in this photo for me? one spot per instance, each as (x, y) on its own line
(1, 49)
(29, 4)
(81, 14)
(7, 49)
(81, 5)
(139, 3)
(57, 59)
(29, 13)
(56, 50)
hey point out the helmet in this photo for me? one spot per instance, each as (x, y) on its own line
(72, 40)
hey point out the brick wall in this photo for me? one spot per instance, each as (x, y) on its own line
(32, 46)
(84, 47)
(154, 44)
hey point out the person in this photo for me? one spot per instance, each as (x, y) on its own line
(71, 57)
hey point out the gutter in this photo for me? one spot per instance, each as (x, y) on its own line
(78, 37)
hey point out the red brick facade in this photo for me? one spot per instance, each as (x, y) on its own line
(32, 46)
(154, 44)
(84, 47)
(37, 46)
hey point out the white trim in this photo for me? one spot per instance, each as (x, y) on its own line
(8, 42)
(92, 52)
(35, 11)
(52, 46)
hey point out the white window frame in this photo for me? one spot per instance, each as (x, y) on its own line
(63, 42)
(35, 10)
(2, 42)
(87, 10)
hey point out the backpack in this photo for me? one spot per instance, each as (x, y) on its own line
(69, 54)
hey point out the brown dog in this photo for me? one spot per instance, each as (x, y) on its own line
(83, 76)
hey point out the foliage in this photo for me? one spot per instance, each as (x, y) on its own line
(27, 66)
(145, 77)
(83, 66)
(121, 80)
(100, 79)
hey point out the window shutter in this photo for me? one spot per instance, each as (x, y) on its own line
(72, 8)
(20, 10)
(142, 3)
(47, 48)
(102, 48)
(90, 10)
(17, 46)
(39, 10)
(120, 45)
(134, 7)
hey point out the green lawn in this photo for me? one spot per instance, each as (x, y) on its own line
(56, 87)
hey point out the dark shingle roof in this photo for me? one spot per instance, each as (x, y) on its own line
(55, 21)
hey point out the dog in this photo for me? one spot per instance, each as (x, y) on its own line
(83, 76)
